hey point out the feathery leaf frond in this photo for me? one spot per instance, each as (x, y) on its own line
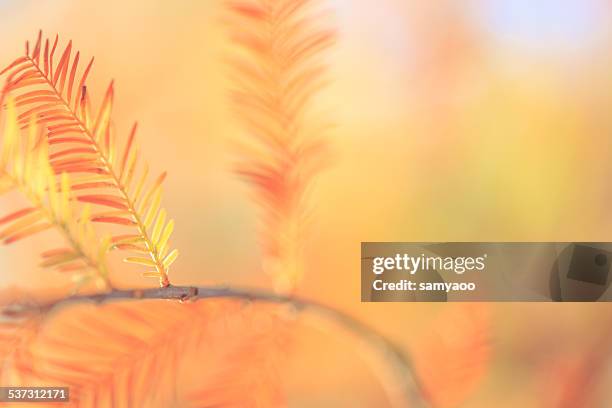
(16, 333)
(84, 145)
(453, 357)
(147, 353)
(24, 165)
(277, 74)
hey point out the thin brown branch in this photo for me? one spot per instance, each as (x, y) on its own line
(409, 391)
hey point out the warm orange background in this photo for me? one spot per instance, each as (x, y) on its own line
(462, 121)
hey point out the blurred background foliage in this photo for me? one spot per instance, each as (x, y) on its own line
(456, 120)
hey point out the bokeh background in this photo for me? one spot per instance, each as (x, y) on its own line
(455, 121)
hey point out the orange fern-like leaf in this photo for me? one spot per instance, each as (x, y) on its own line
(15, 333)
(84, 145)
(276, 77)
(152, 354)
(24, 165)
(453, 357)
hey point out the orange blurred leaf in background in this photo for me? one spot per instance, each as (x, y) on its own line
(452, 358)
(154, 353)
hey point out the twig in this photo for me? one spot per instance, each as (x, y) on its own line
(408, 386)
